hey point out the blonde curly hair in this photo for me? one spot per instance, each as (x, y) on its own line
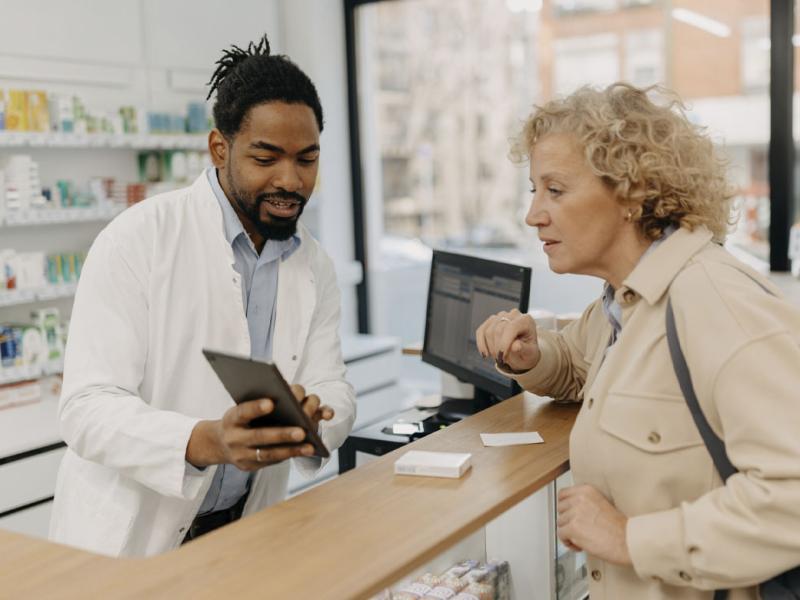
(664, 168)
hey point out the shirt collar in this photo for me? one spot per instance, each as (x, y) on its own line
(657, 268)
(233, 227)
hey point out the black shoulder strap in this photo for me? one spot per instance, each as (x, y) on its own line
(716, 447)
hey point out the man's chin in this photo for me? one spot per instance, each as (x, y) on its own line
(278, 231)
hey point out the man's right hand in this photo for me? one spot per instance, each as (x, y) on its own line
(510, 338)
(230, 439)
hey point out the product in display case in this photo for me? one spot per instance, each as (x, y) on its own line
(35, 270)
(21, 183)
(48, 320)
(38, 111)
(17, 111)
(29, 350)
(467, 580)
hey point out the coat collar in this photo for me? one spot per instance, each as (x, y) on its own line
(653, 275)
(209, 207)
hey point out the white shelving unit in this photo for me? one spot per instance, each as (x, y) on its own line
(11, 375)
(25, 139)
(48, 292)
(60, 216)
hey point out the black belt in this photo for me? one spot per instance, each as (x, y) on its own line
(203, 524)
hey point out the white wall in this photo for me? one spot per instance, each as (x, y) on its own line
(313, 36)
(159, 54)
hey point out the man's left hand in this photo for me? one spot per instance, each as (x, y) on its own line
(311, 405)
(587, 521)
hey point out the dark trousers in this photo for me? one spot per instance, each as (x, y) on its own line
(202, 524)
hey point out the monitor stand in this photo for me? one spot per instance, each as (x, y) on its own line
(455, 409)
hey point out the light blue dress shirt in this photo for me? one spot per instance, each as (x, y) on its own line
(259, 275)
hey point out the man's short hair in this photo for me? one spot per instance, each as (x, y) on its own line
(247, 78)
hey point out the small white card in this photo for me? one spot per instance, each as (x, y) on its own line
(511, 439)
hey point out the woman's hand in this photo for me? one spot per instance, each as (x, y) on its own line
(587, 521)
(510, 338)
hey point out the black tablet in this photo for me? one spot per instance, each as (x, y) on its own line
(248, 379)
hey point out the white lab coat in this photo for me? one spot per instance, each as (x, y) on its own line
(157, 286)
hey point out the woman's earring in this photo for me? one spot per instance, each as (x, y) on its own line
(629, 216)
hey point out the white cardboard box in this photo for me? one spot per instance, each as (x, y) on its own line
(433, 464)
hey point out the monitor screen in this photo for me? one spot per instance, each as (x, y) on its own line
(463, 292)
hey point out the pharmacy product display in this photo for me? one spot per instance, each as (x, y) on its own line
(30, 350)
(40, 111)
(34, 270)
(23, 198)
(468, 580)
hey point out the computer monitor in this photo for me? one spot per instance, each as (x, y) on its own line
(463, 292)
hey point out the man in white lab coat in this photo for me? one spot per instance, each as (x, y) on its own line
(158, 453)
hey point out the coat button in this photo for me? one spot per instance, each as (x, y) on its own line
(597, 575)
(654, 437)
(294, 356)
(685, 576)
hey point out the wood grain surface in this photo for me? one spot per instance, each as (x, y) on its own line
(346, 539)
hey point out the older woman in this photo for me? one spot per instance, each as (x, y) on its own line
(628, 190)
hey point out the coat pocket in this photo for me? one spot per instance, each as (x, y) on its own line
(654, 423)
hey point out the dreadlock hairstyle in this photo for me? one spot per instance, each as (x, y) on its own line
(246, 78)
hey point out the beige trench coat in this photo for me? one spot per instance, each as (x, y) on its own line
(635, 440)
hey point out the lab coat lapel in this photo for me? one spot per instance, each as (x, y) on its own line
(296, 302)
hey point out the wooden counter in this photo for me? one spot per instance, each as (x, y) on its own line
(346, 539)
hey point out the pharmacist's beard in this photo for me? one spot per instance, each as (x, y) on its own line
(278, 228)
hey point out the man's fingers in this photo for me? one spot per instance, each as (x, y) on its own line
(311, 405)
(324, 413)
(262, 457)
(245, 412)
(298, 391)
(272, 436)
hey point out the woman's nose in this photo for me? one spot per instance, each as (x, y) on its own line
(537, 216)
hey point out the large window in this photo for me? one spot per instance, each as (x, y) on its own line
(443, 85)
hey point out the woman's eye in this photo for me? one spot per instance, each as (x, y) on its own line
(554, 191)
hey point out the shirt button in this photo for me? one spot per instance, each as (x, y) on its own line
(294, 356)
(657, 579)
(685, 576)
(182, 529)
(597, 575)
(591, 401)
(654, 437)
